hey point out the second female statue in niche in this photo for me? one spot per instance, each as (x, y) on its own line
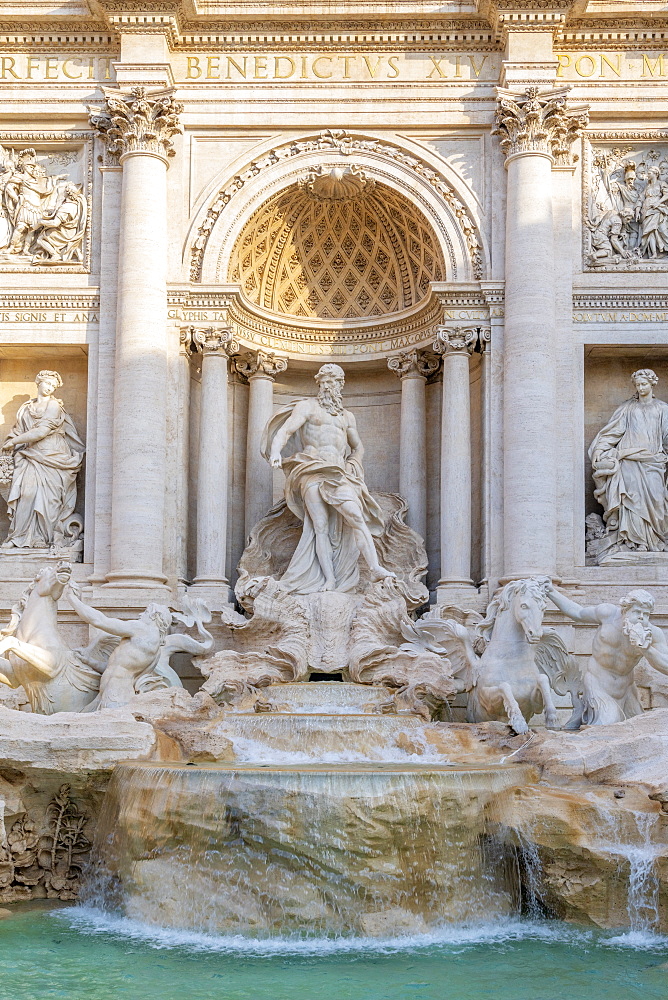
(629, 458)
(48, 454)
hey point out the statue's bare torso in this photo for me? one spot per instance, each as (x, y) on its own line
(325, 433)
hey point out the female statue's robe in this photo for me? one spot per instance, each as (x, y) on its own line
(43, 493)
(629, 457)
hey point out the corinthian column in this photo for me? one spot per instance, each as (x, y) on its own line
(260, 369)
(139, 127)
(413, 368)
(215, 347)
(456, 346)
(536, 130)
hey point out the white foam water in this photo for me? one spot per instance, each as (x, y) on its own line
(453, 937)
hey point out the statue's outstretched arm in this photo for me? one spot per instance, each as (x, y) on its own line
(180, 643)
(114, 626)
(575, 611)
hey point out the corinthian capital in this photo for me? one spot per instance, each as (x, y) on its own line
(413, 364)
(455, 340)
(539, 123)
(212, 340)
(138, 122)
(260, 363)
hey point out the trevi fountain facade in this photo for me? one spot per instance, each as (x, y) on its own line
(334, 543)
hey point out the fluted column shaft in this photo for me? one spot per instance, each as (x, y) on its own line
(212, 480)
(139, 127)
(455, 346)
(260, 369)
(413, 368)
(535, 130)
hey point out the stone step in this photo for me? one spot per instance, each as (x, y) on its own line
(301, 737)
(327, 698)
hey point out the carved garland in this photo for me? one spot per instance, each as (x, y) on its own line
(49, 862)
(345, 144)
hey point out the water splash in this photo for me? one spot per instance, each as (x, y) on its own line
(640, 852)
(90, 921)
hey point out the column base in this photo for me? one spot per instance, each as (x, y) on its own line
(460, 593)
(135, 589)
(216, 594)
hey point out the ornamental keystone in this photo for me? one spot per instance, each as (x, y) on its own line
(138, 122)
(539, 123)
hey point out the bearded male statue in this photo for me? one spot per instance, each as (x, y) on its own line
(325, 489)
(624, 635)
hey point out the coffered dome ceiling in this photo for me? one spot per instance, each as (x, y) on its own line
(370, 255)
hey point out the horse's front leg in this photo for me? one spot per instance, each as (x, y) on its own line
(513, 711)
(551, 721)
(36, 657)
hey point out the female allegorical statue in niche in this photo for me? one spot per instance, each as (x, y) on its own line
(629, 457)
(47, 456)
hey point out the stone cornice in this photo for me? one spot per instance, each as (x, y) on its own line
(364, 340)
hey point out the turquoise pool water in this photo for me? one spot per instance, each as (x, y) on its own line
(79, 954)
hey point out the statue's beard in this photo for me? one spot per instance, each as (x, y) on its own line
(331, 400)
(639, 635)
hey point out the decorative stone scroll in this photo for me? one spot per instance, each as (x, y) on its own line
(539, 123)
(626, 207)
(209, 340)
(255, 363)
(413, 363)
(451, 340)
(139, 122)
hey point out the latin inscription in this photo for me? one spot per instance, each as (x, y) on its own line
(25, 67)
(374, 67)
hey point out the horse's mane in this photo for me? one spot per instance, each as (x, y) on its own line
(501, 602)
(18, 609)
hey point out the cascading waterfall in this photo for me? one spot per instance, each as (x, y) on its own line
(320, 849)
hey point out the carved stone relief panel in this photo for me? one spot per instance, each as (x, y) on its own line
(625, 204)
(45, 191)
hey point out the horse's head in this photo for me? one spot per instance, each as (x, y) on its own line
(527, 603)
(52, 580)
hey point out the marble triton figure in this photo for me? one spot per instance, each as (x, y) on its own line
(325, 488)
(624, 635)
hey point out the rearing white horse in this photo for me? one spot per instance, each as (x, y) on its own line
(511, 678)
(34, 656)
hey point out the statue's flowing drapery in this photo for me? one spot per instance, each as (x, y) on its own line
(629, 457)
(43, 492)
(336, 485)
